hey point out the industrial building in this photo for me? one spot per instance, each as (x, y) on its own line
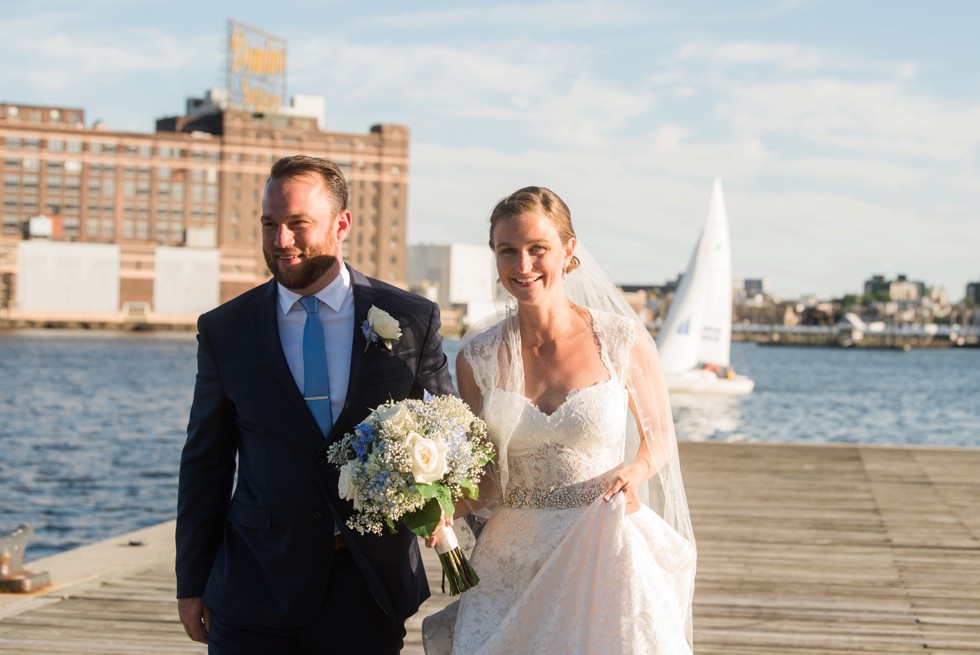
(169, 219)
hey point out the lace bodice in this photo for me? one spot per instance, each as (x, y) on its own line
(563, 459)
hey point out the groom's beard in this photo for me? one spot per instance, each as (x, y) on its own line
(314, 265)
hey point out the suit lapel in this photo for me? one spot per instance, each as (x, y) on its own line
(360, 361)
(266, 322)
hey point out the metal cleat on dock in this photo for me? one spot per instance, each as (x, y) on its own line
(13, 577)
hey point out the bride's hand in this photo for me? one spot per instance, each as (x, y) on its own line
(434, 539)
(628, 480)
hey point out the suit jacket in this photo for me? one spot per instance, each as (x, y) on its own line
(261, 552)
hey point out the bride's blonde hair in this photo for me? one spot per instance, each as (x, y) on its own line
(533, 199)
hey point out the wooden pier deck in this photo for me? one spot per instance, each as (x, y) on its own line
(824, 550)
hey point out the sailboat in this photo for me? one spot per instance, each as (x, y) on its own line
(696, 337)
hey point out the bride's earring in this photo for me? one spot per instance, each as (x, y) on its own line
(564, 270)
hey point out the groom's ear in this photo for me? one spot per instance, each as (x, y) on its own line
(343, 225)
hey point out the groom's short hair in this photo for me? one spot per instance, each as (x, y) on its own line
(296, 165)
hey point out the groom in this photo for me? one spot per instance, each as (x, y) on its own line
(266, 562)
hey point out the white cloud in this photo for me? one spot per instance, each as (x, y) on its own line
(538, 17)
(51, 56)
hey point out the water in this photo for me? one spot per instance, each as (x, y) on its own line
(91, 425)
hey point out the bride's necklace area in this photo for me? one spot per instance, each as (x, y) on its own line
(556, 366)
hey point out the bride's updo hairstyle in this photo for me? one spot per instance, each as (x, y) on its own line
(533, 199)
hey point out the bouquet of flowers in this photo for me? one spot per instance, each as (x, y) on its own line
(407, 461)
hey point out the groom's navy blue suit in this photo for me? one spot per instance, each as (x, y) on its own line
(261, 554)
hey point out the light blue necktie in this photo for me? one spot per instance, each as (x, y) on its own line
(316, 383)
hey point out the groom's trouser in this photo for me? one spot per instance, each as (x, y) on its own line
(350, 622)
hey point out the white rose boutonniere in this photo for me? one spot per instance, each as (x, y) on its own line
(380, 327)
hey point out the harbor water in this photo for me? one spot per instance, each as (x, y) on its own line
(91, 424)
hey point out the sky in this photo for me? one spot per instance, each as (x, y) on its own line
(846, 135)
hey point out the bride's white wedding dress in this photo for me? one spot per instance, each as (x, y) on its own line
(561, 570)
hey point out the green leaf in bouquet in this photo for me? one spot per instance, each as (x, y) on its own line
(440, 493)
(470, 490)
(423, 522)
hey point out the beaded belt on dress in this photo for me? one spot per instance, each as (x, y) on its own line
(558, 497)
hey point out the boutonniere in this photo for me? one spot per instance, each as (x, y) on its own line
(381, 328)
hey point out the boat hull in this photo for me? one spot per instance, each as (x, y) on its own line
(701, 381)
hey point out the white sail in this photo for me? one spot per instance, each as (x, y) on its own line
(679, 337)
(697, 331)
(715, 255)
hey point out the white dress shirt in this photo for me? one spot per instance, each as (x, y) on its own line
(336, 312)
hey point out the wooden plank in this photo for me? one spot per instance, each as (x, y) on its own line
(822, 550)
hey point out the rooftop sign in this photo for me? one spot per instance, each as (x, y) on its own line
(256, 68)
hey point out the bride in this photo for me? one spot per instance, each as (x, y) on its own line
(589, 548)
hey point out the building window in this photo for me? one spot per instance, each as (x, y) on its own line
(73, 146)
(71, 227)
(11, 224)
(92, 228)
(11, 182)
(109, 187)
(12, 143)
(34, 145)
(56, 145)
(32, 164)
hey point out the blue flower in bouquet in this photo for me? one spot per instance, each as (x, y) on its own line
(363, 438)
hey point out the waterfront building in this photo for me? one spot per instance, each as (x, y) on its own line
(460, 277)
(194, 184)
(973, 293)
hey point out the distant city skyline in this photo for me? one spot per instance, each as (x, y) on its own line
(846, 135)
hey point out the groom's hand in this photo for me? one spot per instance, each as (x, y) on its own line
(195, 617)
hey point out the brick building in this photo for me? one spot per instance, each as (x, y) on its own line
(196, 183)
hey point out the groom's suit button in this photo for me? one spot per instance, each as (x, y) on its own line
(317, 515)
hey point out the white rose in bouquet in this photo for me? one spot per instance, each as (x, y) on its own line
(428, 457)
(396, 417)
(345, 484)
